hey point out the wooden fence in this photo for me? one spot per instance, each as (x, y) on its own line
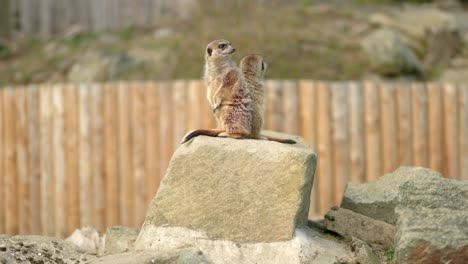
(45, 18)
(75, 155)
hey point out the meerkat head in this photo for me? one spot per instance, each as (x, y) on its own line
(219, 49)
(253, 65)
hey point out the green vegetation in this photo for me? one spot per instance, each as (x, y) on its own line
(391, 255)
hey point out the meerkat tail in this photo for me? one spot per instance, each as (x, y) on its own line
(202, 132)
(280, 140)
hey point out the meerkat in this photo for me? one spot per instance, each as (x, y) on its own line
(253, 67)
(229, 96)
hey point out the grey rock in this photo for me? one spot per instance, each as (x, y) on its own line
(455, 75)
(350, 224)
(39, 249)
(120, 239)
(432, 222)
(140, 257)
(86, 240)
(363, 252)
(389, 55)
(307, 246)
(237, 190)
(191, 257)
(378, 199)
(414, 22)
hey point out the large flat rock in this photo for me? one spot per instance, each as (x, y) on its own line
(353, 225)
(236, 190)
(379, 198)
(432, 222)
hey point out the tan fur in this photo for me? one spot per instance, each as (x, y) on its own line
(227, 91)
(235, 95)
(253, 67)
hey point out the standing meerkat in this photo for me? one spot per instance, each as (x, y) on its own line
(229, 96)
(253, 67)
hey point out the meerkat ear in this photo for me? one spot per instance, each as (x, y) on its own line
(209, 51)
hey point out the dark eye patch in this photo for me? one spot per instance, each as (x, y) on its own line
(222, 46)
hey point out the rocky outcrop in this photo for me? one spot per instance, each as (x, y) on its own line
(378, 199)
(432, 222)
(38, 249)
(120, 239)
(389, 55)
(240, 201)
(245, 191)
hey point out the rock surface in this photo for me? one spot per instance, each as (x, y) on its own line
(307, 246)
(389, 55)
(120, 239)
(432, 222)
(39, 249)
(238, 190)
(363, 252)
(350, 224)
(87, 240)
(378, 199)
(154, 257)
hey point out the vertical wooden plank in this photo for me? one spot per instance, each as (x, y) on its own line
(34, 158)
(420, 127)
(274, 112)
(356, 132)
(435, 116)
(6, 20)
(112, 181)
(340, 139)
(372, 125)
(58, 158)
(389, 128)
(127, 210)
(153, 142)
(405, 149)
(11, 182)
(45, 22)
(179, 102)
(195, 114)
(451, 144)
(97, 156)
(70, 97)
(463, 131)
(165, 128)
(47, 181)
(325, 151)
(86, 202)
(308, 122)
(23, 196)
(291, 107)
(138, 134)
(208, 119)
(2, 161)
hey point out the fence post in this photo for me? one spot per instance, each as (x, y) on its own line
(5, 19)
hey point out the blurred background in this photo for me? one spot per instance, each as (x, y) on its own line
(95, 95)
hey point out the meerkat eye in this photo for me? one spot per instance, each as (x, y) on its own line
(209, 51)
(222, 46)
